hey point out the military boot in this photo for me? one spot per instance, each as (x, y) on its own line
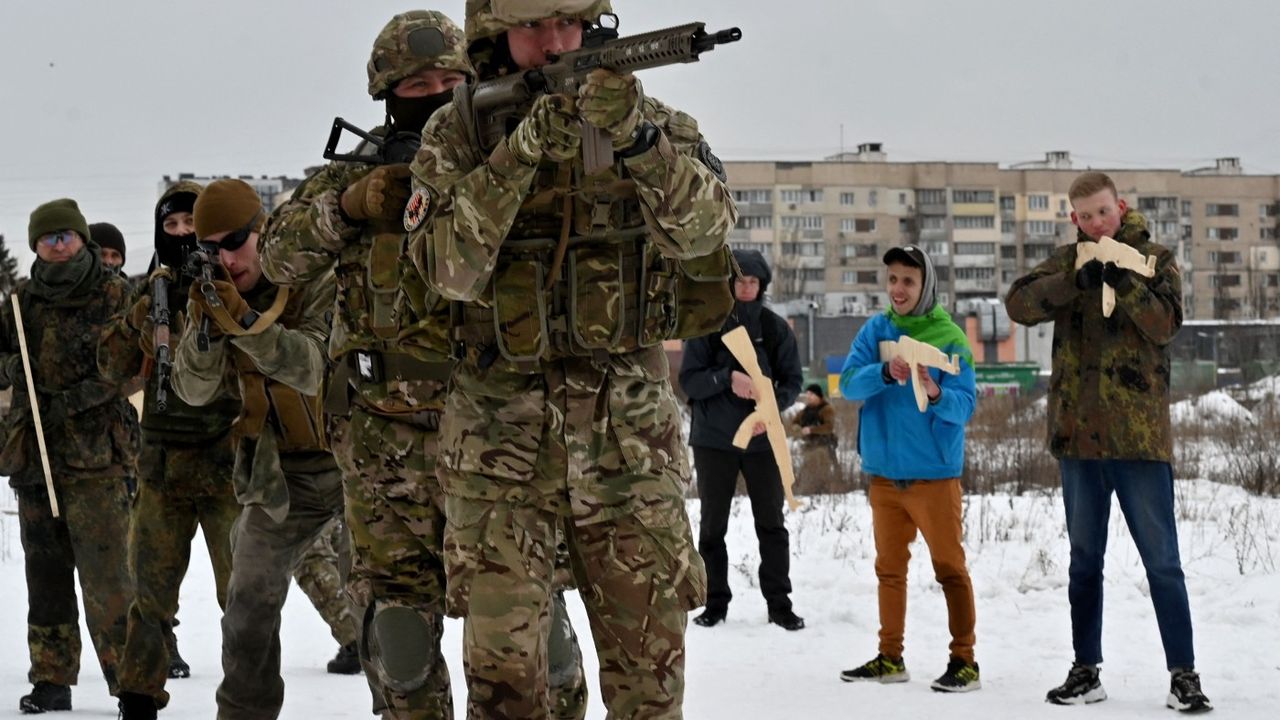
(45, 697)
(346, 662)
(136, 706)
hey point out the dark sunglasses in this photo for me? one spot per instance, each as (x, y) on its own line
(236, 238)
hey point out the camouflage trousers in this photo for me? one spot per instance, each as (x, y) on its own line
(321, 573)
(263, 555)
(586, 451)
(87, 539)
(161, 528)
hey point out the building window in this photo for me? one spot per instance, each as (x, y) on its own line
(936, 249)
(1037, 251)
(1224, 258)
(969, 248)
(846, 198)
(1224, 233)
(847, 277)
(755, 222)
(802, 222)
(873, 197)
(812, 274)
(1041, 227)
(1221, 210)
(1186, 208)
(1271, 280)
(1224, 281)
(975, 222)
(1266, 233)
(973, 196)
(933, 222)
(902, 198)
(858, 225)
(1037, 202)
(944, 272)
(1062, 206)
(1008, 203)
(906, 226)
(1008, 252)
(1269, 210)
(866, 251)
(975, 273)
(931, 197)
(1168, 229)
(801, 197)
(752, 196)
(868, 277)
(804, 249)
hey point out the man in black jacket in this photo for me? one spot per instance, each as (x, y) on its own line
(721, 395)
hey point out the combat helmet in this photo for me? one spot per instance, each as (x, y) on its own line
(487, 19)
(412, 42)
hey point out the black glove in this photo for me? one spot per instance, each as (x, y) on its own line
(1118, 278)
(885, 375)
(53, 410)
(1089, 276)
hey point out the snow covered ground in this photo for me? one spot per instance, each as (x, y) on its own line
(750, 669)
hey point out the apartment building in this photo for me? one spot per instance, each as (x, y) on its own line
(826, 224)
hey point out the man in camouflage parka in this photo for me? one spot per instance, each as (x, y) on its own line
(391, 364)
(87, 429)
(1109, 426)
(184, 468)
(561, 420)
(265, 345)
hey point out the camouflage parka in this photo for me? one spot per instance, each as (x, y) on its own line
(90, 429)
(308, 237)
(1109, 392)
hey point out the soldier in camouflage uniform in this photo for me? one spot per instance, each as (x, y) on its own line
(320, 574)
(265, 345)
(1109, 426)
(392, 361)
(184, 467)
(88, 428)
(560, 416)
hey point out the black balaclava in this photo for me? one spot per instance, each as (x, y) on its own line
(173, 250)
(411, 114)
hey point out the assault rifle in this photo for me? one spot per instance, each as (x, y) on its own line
(398, 148)
(201, 267)
(500, 103)
(160, 338)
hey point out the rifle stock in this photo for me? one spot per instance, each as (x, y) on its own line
(161, 339)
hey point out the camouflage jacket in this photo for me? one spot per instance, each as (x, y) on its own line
(291, 352)
(90, 429)
(120, 359)
(473, 204)
(308, 236)
(1109, 392)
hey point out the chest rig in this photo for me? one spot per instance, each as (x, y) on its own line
(579, 276)
(297, 419)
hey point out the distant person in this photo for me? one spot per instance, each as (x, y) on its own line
(816, 426)
(914, 460)
(111, 241)
(1109, 427)
(89, 429)
(721, 394)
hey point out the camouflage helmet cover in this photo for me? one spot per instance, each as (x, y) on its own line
(412, 42)
(491, 18)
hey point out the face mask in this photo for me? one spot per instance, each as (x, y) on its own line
(411, 114)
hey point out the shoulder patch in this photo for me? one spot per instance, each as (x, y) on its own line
(709, 159)
(416, 211)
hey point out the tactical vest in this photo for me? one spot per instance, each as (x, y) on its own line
(613, 293)
(297, 419)
(180, 423)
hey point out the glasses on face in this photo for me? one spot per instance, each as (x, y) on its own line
(66, 237)
(233, 240)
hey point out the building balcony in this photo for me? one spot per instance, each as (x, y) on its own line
(975, 285)
(967, 261)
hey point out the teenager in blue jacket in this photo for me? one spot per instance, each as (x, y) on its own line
(914, 460)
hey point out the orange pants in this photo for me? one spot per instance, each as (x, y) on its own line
(932, 507)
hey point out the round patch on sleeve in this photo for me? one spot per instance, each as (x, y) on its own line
(417, 210)
(709, 159)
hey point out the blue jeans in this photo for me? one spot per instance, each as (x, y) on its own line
(1145, 491)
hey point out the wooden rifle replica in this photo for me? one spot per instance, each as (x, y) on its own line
(915, 353)
(1108, 250)
(739, 343)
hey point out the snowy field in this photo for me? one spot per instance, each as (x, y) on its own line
(750, 669)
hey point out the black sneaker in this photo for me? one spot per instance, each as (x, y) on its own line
(1081, 687)
(136, 706)
(961, 676)
(346, 662)
(178, 668)
(786, 619)
(711, 617)
(881, 669)
(1185, 694)
(45, 697)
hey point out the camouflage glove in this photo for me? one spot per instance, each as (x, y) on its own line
(198, 307)
(612, 102)
(549, 130)
(1120, 279)
(380, 195)
(1089, 276)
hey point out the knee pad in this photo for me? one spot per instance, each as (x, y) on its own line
(403, 646)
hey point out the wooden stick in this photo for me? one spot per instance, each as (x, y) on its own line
(35, 403)
(915, 353)
(739, 343)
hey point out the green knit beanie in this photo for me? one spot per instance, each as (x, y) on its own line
(55, 215)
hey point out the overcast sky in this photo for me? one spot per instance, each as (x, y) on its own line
(98, 100)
